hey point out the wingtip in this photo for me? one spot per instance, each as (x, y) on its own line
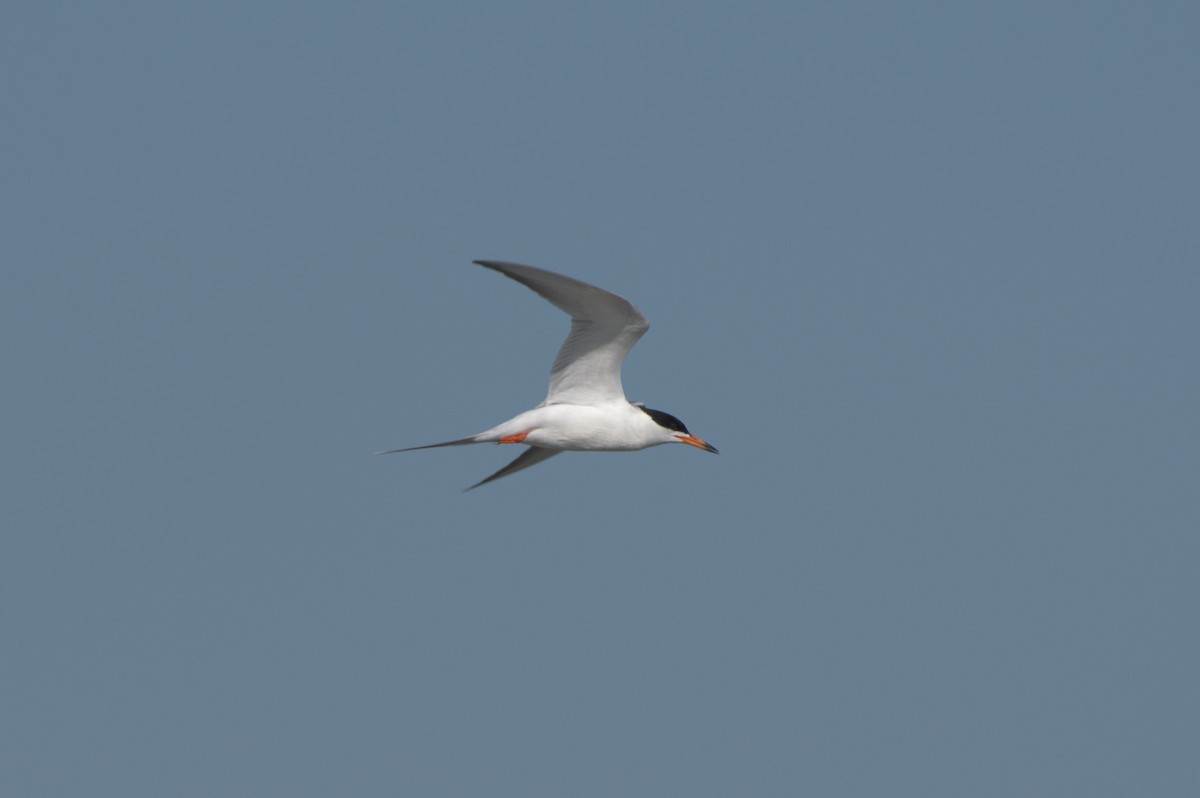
(506, 267)
(484, 481)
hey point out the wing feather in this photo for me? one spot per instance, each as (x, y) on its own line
(604, 327)
(530, 457)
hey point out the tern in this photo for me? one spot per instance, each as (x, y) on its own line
(585, 409)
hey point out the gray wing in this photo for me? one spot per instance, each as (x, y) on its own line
(530, 457)
(604, 327)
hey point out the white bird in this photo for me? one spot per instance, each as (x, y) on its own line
(585, 409)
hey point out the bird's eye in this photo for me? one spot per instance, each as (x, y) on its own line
(665, 420)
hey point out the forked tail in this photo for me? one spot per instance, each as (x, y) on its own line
(459, 442)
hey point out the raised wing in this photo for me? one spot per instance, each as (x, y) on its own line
(604, 327)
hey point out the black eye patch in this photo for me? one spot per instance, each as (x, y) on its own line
(666, 420)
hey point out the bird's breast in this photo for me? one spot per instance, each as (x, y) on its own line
(586, 428)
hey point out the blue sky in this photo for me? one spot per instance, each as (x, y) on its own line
(925, 273)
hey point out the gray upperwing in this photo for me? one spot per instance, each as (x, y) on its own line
(604, 327)
(530, 457)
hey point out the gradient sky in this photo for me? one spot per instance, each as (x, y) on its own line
(928, 274)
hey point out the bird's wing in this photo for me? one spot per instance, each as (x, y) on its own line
(604, 327)
(530, 457)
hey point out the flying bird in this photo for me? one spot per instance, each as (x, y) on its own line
(585, 409)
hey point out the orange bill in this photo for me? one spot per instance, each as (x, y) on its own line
(692, 440)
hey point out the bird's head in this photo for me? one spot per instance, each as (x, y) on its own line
(676, 430)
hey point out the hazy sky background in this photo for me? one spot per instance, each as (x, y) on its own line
(928, 274)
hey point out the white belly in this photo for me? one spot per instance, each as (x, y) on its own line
(610, 427)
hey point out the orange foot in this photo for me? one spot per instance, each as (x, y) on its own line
(514, 438)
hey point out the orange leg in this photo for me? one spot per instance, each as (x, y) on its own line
(514, 438)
